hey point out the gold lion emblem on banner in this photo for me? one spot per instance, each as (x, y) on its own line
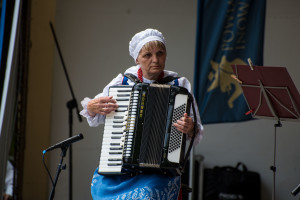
(221, 78)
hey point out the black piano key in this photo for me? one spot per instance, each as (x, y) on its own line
(123, 95)
(123, 106)
(115, 137)
(120, 91)
(116, 152)
(117, 126)
(114, 159)
(115, 148)
(118, 121)
(117, 99)
(116, 132)
(115, 144)
(114, 164)
(120, 110)
(118, 117)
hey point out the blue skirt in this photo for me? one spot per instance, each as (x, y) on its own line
(142, 186)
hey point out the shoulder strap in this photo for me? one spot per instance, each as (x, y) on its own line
(164, 80)
(132, 77)
(167, 79)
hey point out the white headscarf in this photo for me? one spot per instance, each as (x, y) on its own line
(143, 37)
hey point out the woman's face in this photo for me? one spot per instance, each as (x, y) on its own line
(152, 61)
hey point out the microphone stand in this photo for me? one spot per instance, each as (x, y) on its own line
(70, 105)
(58, 170)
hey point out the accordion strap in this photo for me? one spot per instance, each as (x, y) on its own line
(132, 77)
(164, 80)
(193, 137)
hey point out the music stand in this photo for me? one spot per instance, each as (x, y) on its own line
(270, 93)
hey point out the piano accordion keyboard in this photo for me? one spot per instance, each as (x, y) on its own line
(114, 132)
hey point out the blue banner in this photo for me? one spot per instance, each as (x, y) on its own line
(2, 22)
(228, 32)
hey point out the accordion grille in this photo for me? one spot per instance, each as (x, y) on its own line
(154, 127)
(176, 136)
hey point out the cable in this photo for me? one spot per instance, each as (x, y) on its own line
(47, 169)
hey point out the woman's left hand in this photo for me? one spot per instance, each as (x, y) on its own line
(185, 125)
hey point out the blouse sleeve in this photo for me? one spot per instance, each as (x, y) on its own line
(98, 119)
(9, 179)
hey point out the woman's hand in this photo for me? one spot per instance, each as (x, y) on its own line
(185, 125)
(101, 105)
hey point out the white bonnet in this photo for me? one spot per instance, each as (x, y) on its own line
(143, 37)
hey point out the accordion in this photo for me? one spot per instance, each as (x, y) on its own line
(139, 135)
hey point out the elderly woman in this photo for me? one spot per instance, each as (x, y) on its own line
(149, 53)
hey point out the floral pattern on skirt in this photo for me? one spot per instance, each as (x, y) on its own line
(142, 186)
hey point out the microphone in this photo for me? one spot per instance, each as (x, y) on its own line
(66, 142)
(296, 190)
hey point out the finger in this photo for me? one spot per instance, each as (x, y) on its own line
(181, 122)
(186, 118)
(105, 111)
(105, 99)
(111, 106)
(112, 100)
(108, 106)
(184, 121)
(184, 125)
(180, 127)
(106, 102)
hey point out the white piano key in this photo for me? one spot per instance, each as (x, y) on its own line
(106, 156)
(112, 114)
(110, 169)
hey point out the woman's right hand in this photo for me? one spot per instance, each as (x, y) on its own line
(101, 105)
